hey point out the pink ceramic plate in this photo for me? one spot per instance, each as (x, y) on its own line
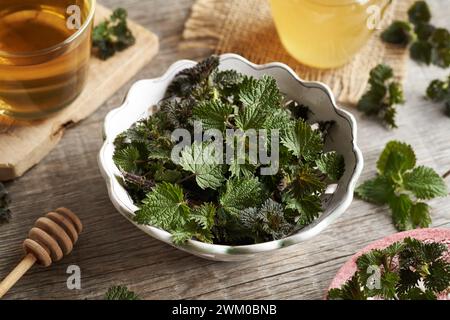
(349, 268)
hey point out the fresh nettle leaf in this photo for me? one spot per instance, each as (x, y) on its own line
(304, 180)
(424, 183)
(198, 225)
(120, 293)
(396, 158)
(112, 35)
(178, 112)
(242, 170)
(213, 114)
(204, 216)
(421, 51)
(439, 91)
(165, 206)
(401, 206)
(202, 198)
(440, 40)
(377, 190)
(406, 270)
(419, 13)
(259, 98)
(332, 164)
(193, 81)
(199, 159)
(428, 43)
(5, 213)
(383, 95)
(399, 32)
(127, 159)
(267, 222)
(304, 209)
(227, 82)
(241, 194)
(401, 184)
(350, 290)
(424, 31)
(420, 215)
(302, 140)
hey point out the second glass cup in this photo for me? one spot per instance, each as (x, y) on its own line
(326, 33)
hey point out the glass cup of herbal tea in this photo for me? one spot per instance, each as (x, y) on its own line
(326, 33)
(45, 47)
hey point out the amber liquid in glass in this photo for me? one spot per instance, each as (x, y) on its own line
(42, 69)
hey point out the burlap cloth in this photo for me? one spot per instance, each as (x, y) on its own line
(246, 27)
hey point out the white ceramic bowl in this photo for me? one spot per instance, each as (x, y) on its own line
(146, 93)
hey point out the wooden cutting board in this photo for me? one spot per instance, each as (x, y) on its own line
(24, 144)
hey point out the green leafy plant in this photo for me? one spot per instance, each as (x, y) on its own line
(5, 213)
(439, 91)
(427, 43)
(226, 202)
(120, 293)
(403, 186)
(399, 32)
(406, 270)
(383, 95)
(112, 35)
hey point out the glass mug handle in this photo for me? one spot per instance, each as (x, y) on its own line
(376, 14)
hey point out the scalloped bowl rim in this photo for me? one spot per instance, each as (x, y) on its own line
(201, 248)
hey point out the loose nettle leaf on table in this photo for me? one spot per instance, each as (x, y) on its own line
(383, 95)
(200, 197)
(120, 293)
(403, 185)
(406, 270)
(439, 91)
(427, 43)
(5, 213)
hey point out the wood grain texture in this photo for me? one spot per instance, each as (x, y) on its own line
(24, 144)
(111, 251)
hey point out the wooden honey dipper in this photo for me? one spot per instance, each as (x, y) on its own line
(51, 238)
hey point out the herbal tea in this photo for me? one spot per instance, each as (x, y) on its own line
(325, 33)
(44, 53)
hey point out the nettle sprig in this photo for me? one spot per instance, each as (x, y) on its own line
(112, 35)
(403, 186)
(427, 43)
(439, 91)
(227, 202)
(406, 270)
(120, 293)
(383, 95)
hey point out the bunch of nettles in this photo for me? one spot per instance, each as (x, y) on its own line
(428, 44)
(439, 91)
(112, 35)
(5, 213)
(383, 95)
(403, 186)
(406, 270)
(230, 203)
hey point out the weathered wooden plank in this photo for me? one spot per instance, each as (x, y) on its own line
(111, 251)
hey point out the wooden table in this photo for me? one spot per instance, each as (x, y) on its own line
(112, 251)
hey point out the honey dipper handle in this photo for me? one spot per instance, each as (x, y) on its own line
(17, 273)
